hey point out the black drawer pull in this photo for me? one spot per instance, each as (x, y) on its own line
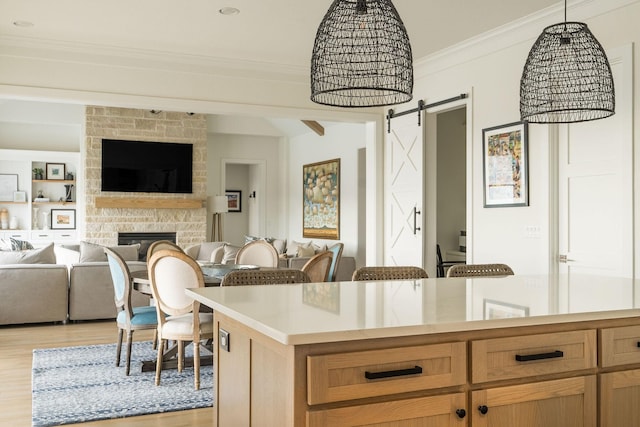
(540, 356)
(638, 343)
(398, 373)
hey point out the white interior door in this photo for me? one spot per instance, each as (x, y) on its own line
(596, 186)
(403, 192)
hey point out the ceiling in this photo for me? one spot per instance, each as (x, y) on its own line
(278, 32)
(273, 31)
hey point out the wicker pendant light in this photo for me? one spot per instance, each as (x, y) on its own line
(567, 77)
(361, 56)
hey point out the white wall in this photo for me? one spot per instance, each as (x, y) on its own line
(339, 141)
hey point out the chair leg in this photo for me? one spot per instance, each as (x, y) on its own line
(119, 346)
(180, 356)
(155, 339)
(196, 364)
(129, 343)
(159, 360)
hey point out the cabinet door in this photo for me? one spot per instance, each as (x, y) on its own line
(568, 402)
(435, 411)
(619, 397)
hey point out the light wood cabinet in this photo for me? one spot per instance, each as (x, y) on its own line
(570, 402)
(620, 399)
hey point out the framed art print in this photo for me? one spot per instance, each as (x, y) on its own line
(8, 186)
(234, 200)
(63, 219)
(321, 199)
(505, 156)
(55, 171)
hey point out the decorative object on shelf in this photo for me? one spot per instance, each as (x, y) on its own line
(234, 200)
(321, 199)
(45, 220)
(68, 192)
(567, 77)
(19, 196)
(506, 158)
(13, 223)
(218, 205)
(55, 171)
(63, 219)
(361, 56)
(35, 218)
(40, 198)
(38, 173)
(8, 185)
(69, 176)
(4, 219)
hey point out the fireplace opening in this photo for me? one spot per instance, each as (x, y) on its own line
(144, 239)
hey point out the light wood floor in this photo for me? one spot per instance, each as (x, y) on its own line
(16, 345)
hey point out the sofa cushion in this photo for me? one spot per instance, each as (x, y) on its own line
(305, 251)
(292, 247)
(230, 252)
(44, 255)
(91, 252)
(207, 248)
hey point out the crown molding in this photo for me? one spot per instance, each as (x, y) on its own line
(88, 53)
(526, 29)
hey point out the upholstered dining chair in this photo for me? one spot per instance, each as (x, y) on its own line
(179, 317)
(264, 277)
(259, 253)
(479, 270)
(389, 273)
(128, 318)
(159, 245)
(336, 249)
(318, 266)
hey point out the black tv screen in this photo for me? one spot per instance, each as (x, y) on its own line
(149, 167)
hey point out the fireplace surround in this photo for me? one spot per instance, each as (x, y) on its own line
(144, 239)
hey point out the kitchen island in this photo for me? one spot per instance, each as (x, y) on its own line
(509, 351)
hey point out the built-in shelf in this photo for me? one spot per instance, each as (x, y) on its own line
(13, 203)
(55, 181)
(155, 203)
(55, 203)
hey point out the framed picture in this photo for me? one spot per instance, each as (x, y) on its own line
(8, 186)
(63, 219)
(55, 171)
(321, 200)
(506, 158)
(234, 200)
(19, 196)
(501, 310)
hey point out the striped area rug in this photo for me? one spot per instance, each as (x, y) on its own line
(80, 384)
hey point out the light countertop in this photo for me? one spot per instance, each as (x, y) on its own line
(324, 312)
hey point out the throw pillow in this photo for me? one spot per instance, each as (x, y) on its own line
(292, 247)
(44, 255)
(280, 245)
(230, 253)
(207, 248)
(20, 245)
(319, 248)
(5, 245)
(91, 252)
(306, 251)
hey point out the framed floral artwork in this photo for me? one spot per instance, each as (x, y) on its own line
(321, 199)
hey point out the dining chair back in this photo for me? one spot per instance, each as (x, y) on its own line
(442, 265)
(336, 249)
(259, 253)
(159, 245)
(179, 317)
(479, 270)
(128, 318)
(264, 277)
(318, 266)
(389, 273)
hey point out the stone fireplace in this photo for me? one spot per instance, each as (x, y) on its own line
(145, 240)
(153, 213)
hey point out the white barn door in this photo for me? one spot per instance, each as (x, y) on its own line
(595, 195)
(404, 192)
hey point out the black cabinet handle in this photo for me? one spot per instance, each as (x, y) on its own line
(461, 413)
(398, 373)
(540, 356)
(483, 409)
(638, 343)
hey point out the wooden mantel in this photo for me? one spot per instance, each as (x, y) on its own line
(149, 203)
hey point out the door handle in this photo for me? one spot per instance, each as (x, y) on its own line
(563, 259)
(416, 212)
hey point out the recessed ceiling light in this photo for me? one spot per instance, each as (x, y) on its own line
(229, 11)
(23, 24)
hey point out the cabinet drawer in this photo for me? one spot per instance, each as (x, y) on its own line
(42, 235)
(424, 411)
(532, 355)
(355, 375)
(64, 236)
(20, 235)
(620, 346)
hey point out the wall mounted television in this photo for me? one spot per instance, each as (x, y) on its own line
(147, 167)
